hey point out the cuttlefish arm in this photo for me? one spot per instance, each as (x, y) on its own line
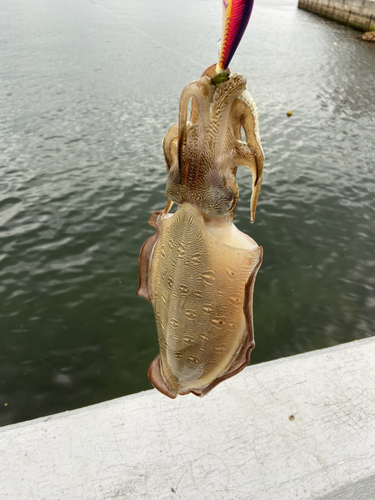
(170, 143)
(213, 132)
(245, 115)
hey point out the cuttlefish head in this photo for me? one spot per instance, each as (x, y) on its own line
(204, 151)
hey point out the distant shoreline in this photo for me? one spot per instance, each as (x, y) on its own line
(357, 14)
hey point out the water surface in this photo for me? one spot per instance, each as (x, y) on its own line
(89, 89)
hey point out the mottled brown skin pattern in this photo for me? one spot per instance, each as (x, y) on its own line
(201, 288)
(203, 154)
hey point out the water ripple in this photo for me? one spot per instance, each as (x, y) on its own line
(82, 171)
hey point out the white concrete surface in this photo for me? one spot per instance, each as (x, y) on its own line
(239, 442)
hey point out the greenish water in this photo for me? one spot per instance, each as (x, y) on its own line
(88, 91)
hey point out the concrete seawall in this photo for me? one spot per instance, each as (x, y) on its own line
(359, 14)
(295, 428)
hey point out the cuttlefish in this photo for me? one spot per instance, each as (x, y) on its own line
(198, 270)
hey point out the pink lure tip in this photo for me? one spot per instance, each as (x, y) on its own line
(236, 15)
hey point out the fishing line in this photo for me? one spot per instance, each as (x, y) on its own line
(157, 43)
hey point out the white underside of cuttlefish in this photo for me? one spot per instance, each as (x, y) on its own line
(198, 270)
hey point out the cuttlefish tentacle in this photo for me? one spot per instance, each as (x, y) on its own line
(224, 97)
(170, 146)
(243, 154)
(244, 115)
(201, 91)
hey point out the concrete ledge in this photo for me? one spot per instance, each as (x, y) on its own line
(359, 14)
(296, 428)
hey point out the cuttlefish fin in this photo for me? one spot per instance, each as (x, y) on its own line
(243, 357)
(156, 378)
(144, 259)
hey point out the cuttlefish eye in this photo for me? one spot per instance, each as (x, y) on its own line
(221, 199)
(229, 198)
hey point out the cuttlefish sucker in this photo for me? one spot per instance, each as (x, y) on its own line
(200, 280)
